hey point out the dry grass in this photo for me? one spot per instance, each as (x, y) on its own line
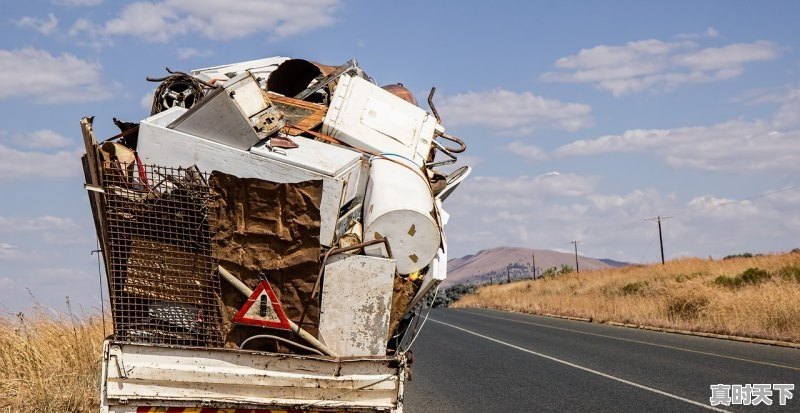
(683, 294)
(50, 363)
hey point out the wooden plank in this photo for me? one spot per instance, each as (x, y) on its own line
(304, 115)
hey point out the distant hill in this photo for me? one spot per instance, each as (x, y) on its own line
(615, 264)
(494, 264)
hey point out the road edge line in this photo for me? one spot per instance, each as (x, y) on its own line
(753, 340)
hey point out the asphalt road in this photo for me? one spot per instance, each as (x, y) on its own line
(486, 361)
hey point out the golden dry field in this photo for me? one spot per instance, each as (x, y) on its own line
(755, 297)
(50, 362)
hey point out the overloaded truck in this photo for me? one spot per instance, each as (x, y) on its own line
(270, 234)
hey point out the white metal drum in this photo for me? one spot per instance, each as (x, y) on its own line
(399, 207)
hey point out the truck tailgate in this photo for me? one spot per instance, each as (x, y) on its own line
(136, 377)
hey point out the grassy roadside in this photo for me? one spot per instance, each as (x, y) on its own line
(50, 363)
(755, 297)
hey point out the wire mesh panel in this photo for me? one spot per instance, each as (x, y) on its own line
(164, 289)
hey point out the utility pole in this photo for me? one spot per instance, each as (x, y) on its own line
(533, 264)
(508, 273)
(575, 243)
(660, 238)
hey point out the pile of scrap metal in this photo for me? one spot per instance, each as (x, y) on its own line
(275, 204)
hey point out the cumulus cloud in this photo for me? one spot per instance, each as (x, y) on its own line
(45, 78)
(708, 33)
(162, 21)
(19, 164)
(16, 225)
(45, 27)
(43, 138)
(520, 211)
(733, 146)
(189, 52)
(655, 65)
(511, 112)
(527, 151)
(10, 252)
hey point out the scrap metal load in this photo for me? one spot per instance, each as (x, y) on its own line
(277, 205)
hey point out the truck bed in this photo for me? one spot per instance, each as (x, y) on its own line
(152, 378)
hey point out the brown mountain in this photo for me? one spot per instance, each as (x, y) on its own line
(496, 263)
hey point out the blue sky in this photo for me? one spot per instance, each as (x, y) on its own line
(582, 118)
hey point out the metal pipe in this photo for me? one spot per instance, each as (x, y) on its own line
(305, 335)
(433, 108)
(249, 339)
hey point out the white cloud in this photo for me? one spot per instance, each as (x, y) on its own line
(655, 65)
(491, 211)
(45, 27)
(709, 33)
(162, 21)
(45, 78)
(189, 52)
(527, 151)
(16, 225)
(78, 3)
(17, 165)
(733, 146)
(788, 113)
(44, 138)
(511, 112)
(10, 252)
(146, 102)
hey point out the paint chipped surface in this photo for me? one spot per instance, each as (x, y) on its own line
(356, 304)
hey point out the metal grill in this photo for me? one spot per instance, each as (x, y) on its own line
(164, 289)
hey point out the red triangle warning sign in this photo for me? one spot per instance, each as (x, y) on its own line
(263, 309)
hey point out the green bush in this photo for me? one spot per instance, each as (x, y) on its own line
(743, 255)
(789, 272)
(754, 276)
(749, 276)
(730, 282)
(633, 288)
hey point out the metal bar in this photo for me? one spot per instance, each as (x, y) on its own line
(351, 64)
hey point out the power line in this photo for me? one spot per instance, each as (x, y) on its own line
(649, 244)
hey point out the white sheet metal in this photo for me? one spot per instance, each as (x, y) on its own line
(356, 304)
(238, 114)
(337, 167)
(141, 375)
(260, 67)
(368, 117)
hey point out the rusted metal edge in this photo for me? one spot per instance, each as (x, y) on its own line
(93, 177)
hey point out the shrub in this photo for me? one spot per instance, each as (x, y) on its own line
(754, 276)
(633, 288)
(750, 276)
(743, 255)
(730, 282)
(789, 272)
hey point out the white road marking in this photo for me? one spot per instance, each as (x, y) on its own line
(586, 369)
(639, 342)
